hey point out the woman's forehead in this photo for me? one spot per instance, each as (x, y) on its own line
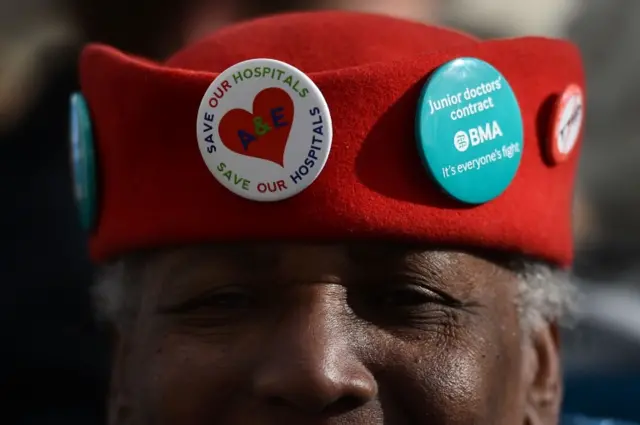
(180, 272)
(267, 255)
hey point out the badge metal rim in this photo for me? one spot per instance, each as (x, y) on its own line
(83, 161)
(553, 154)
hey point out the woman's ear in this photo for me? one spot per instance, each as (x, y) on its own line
(544, 392)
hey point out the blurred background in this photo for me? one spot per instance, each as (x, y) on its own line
(54, 359)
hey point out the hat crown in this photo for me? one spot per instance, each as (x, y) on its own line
(156, 190)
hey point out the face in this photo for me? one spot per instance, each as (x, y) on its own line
(330, 334)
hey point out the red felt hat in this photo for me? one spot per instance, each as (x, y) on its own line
(155, 189)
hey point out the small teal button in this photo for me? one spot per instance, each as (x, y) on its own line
(469, 130)
(83, 160)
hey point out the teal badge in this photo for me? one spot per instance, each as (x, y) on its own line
(469, 130)
(83, 160)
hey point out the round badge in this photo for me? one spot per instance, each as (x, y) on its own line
(469, 130)
(567, 121)
(83, 160)
(264, 130)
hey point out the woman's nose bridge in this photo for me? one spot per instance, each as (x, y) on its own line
(311, 360)
(316, 324)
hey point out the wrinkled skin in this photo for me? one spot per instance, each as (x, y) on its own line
(331, 334)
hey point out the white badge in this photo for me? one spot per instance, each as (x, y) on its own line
(566, 123)
(264, 130)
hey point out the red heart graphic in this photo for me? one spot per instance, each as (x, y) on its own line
(264, 133)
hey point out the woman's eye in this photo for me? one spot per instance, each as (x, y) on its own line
(229, 300)
(405, 297)
(220, 301)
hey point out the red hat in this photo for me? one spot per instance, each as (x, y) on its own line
(371, 77)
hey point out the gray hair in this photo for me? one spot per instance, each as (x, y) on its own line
(545, 294)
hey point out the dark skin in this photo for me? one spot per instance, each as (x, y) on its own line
(331, 334)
